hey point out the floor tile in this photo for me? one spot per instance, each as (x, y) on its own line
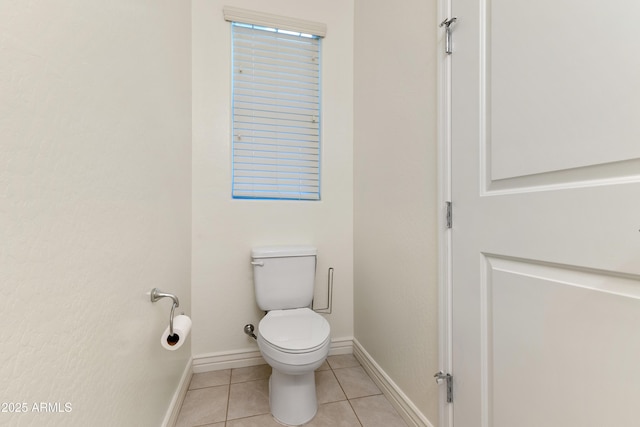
(241, 397)
(204, 406)
(336, 414)
(250, 373)
(376, 411)
(324, 367)
(248, 398)
(210, 379)
(343, 361)
(257, 421)
(355, 382)
(327, 388)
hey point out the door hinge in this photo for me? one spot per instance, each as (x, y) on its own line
(449, 215)
(440, 377)
(448, 44)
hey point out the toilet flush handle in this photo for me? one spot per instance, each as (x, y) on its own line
(257, 263)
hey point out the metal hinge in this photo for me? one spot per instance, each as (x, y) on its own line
(448, 46)
(441, 376)
(449, 215)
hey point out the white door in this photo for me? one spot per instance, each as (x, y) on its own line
(546, 213)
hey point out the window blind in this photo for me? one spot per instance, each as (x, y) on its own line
(275, 113)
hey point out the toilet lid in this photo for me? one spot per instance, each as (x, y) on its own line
(295, 329)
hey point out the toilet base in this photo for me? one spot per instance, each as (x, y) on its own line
(292, 398)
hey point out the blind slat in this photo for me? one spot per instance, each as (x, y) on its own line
(250, 77)
(284, 126)
(271, 44)
(277, 108)
(277, 83)
(269, 98)
(279, 147)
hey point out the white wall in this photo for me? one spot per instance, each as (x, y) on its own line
(395, 285)
(95, 163)
(224, 230)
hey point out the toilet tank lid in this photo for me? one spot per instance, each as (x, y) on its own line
(283, 251)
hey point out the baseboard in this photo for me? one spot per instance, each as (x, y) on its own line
(227, 360)
(341, 346)
(178, 397)
(251, 357)
(409, 412)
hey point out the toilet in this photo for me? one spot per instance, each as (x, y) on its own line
(292, 338)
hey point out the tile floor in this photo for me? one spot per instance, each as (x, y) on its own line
(240, 398)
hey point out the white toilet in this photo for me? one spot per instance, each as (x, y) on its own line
(292, 338)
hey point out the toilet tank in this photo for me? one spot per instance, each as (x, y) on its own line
(283, 276)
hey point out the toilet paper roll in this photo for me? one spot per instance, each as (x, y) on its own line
(181, 329)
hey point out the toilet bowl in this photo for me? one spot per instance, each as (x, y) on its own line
(294, 342)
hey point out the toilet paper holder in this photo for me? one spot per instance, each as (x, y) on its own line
(157, 294)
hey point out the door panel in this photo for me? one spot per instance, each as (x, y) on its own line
(546, 213)
(562, 77)
(551, 332)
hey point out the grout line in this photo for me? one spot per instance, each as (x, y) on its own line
(355, 413)
(339, 383)
(345, 395)
(226, 412)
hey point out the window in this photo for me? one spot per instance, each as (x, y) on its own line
(275, 112)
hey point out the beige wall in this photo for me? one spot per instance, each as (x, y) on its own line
(395, 267)
(95, 168)
(95, 197)
(225, 230)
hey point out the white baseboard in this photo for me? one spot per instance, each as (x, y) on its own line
(405, 407)
(227, 360)
(251, 357)
(341, 346)
(178, 397)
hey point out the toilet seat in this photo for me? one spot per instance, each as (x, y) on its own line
(294, 331)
